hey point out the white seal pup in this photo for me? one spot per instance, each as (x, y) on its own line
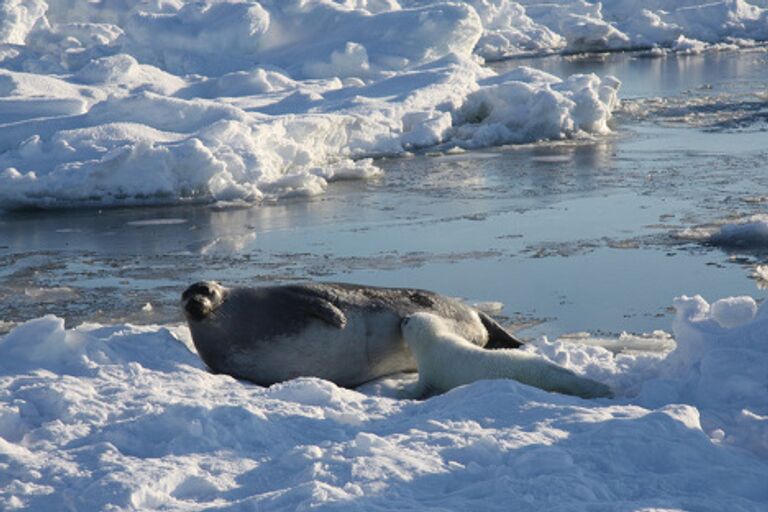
(447, 360)
(349, 334)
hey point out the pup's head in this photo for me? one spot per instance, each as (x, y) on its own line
(422, 327)
(201, 299)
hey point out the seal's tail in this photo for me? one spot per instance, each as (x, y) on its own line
(498, 337)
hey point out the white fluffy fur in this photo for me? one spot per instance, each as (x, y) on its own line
(446, 360)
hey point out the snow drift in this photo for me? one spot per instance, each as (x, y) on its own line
(126, 418)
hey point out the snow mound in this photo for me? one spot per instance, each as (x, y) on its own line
(751, 232)
(123, 417)
(720, 367)
(748, 233)
(139, 145)
(688, 25)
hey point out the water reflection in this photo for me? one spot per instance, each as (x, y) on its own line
(159, 230)
(670, 75)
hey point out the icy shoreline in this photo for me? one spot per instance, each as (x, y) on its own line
(106, 103)
(125, 417)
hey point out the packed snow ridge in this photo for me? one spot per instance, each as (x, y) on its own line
(125, 418)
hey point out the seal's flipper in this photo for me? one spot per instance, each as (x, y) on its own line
(498, 337)
(314, 304)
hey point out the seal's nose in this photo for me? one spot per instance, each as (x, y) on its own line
(197, 307)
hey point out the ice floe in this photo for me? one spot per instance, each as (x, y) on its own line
(162, 102)
(125, 417)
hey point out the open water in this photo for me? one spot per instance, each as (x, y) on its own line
(568, 236)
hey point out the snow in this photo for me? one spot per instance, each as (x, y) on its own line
(105, 103)
(746, 233)
(125, 417)
(760, 273)
(749, 232)
(233, 101)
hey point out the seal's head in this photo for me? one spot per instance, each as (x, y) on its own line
(201, 299)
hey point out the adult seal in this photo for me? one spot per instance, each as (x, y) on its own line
(345, 333)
